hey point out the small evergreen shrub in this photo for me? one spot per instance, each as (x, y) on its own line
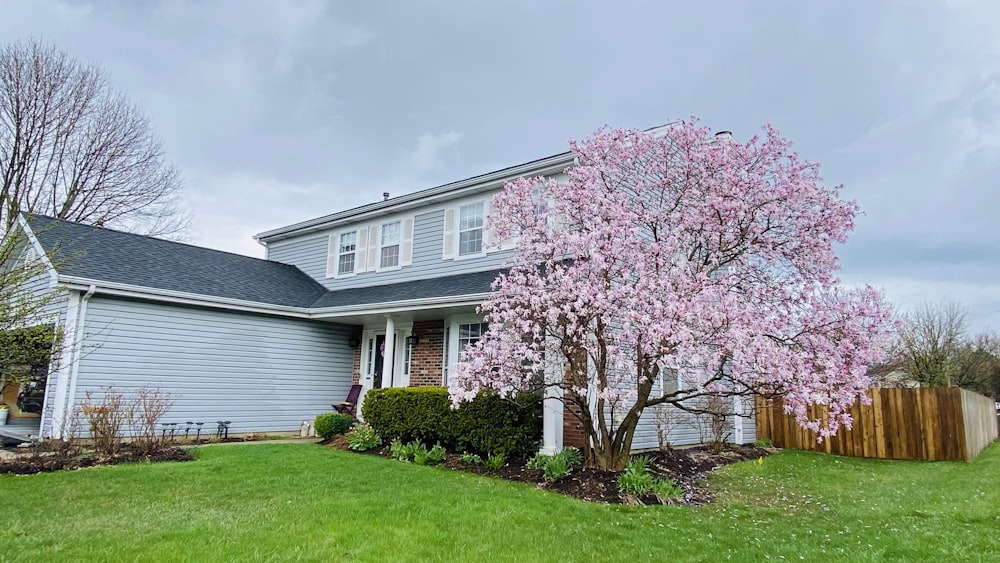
(363, 438)
(488, 423)
(332, 424)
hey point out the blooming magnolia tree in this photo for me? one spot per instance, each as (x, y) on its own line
(670, 267)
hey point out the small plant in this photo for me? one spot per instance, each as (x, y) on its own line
(666, 489)
(399, 451)
(496, 461)
(332, 424)
(572, 455)
(764, 443)
(636, 479)
(363, 438)
(556, 468)
(420, 453)
(436, 455)
(471, 459)
(539, 461)
(106, 419)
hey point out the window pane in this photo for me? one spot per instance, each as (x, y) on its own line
(470, 216)
(390, 256)
(348, 241)
(346, 265)
(470, 242)
(390, 234)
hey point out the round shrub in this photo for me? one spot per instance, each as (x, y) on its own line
(332, 424)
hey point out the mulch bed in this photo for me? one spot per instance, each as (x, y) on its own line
(687, 467)
(29, 462)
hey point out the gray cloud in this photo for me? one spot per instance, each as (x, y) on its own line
(278, 112)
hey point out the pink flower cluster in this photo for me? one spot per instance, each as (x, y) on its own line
(684, 255)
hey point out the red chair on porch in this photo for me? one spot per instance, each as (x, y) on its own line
(349, 405)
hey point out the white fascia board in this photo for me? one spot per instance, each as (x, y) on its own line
(485, 182)
(470, 300)
(33, 240)
(181, 298)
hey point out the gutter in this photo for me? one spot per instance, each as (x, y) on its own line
(93, 287)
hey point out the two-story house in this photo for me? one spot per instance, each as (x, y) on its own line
(384, 295)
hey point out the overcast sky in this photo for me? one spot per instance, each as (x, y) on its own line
(283, 111)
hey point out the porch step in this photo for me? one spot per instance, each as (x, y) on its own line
(16, 433)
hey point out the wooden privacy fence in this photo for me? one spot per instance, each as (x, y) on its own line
(934, 423)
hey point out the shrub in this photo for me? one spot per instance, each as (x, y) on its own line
(416, 413)
(330, 424)
(149, 406)
(764, 443)
(489, 423)
(398, 451)
(363, 437)
(106, 419)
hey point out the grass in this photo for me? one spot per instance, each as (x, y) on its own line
(278, 502)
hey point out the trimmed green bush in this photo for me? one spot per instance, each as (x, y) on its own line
(486, 425)
(332, 424)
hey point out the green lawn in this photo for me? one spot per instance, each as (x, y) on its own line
(306, 502)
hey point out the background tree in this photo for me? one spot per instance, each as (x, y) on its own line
(934, 348)
(73, 148)
(675, 257)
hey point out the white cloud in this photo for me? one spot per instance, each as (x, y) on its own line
(430, 150)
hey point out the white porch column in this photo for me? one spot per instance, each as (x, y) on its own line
(388, 369)
(552, 421)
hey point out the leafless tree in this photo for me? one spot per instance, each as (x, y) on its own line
(72, 147)
(930, 341)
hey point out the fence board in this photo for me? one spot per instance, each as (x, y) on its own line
(941, 423)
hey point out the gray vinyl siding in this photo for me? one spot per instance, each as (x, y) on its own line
(265, 374)
(309, 254)
(682, 429)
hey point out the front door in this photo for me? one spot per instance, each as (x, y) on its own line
(379, 362)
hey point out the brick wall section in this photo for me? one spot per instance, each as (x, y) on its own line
(356, 375)
(426, 357)
(573, 432)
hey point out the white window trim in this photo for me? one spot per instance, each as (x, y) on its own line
(338, 254)
(452, 341)
(399, 256)
(458, 230)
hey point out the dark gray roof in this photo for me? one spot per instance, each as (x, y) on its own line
(447, 286)
(113, 256)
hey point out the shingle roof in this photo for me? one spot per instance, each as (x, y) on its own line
(446, 286)
(114, 256)
(117, 257)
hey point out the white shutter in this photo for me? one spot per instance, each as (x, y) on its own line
(488, 238)
(406, 245)
(361, 258)
(373, 244)
(448, 246)
(331, 256)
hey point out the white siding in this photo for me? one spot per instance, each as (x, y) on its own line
(261, 373)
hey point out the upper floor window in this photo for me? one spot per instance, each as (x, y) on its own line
(470, 228)
(347, 250)
(389, 245)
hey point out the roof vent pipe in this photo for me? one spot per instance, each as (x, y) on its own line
(385, 196)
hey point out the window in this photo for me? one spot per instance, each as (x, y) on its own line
(470, 229)
(389, 246)
(347, 249)
(469, 334)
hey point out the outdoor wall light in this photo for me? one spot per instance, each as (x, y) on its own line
(354, 341)
(412, 341)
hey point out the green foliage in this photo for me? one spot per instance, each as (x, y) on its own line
(487, 424)
(496, 461)
(558, 465)
(436, 455)
(666, 489)
(332, 424)
(471, 458)
(636, 479)
(400, 451)
(419, 453)
(764, 443)
(363, 437)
